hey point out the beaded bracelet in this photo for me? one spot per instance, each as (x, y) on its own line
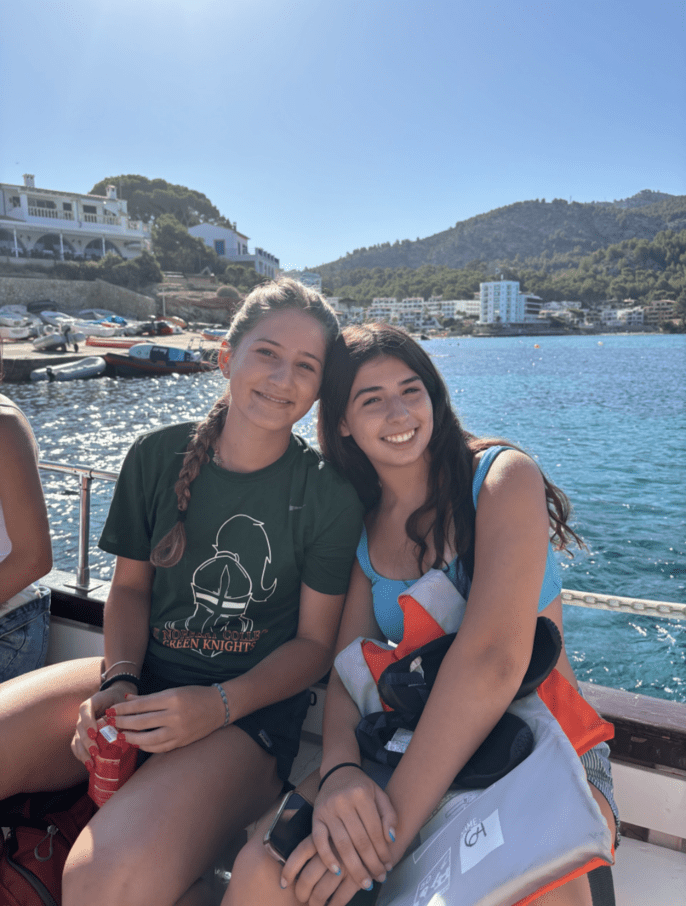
(226, 703)
(343, 764)
(122, 677)
(103, 675)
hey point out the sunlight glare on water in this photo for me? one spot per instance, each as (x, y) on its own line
(608, 424)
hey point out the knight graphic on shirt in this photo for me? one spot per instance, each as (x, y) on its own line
(223, 589)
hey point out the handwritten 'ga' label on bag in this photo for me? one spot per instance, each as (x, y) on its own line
(479, 838)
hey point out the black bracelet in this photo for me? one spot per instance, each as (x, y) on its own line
(343, 764)
(122, 677)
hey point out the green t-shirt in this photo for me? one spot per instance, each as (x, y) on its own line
(252, 538)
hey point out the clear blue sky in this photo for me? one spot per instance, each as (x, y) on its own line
(322, 126)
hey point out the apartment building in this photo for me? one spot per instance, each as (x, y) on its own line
(658, 311)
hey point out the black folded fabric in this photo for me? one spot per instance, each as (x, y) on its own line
(506, 746)
(405, 687)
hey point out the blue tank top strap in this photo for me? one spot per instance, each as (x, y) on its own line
(552, 581)
(363, 556)
(482, 468)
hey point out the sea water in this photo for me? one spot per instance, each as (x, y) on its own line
(605, 417)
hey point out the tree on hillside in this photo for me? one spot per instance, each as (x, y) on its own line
(147, 199)
(177, 250)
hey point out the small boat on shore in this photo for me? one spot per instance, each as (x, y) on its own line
(88, 367)
(58, 339)
(214, 334)
(151, 359)
(14, 333)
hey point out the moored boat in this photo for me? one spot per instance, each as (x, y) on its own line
(88, 367)
(152, 359)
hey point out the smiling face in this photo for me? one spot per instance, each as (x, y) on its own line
(275, 372)
(389, 413)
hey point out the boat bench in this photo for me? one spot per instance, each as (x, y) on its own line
(648, 756)
(649, 772)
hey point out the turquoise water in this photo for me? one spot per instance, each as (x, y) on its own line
(604, 416)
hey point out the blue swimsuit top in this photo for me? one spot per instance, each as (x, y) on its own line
(385, 591)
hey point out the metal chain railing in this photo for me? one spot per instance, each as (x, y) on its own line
(619, 604)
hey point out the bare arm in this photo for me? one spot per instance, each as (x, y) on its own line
(485, 665)
(23, 507)
(295, 665)
(351, 811)
(126, 627)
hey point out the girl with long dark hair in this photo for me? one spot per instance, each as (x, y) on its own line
(481, 511)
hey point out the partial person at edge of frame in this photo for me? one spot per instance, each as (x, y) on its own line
(234, 542)
(25, 546)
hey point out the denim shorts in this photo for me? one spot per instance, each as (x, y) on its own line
(596, 763)
(24, 636)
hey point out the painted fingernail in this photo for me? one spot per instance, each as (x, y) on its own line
(284, 884)
(381, 878)
(335, 869)
(368, 884)
(92, 734)
(391, 834)
(389, 866)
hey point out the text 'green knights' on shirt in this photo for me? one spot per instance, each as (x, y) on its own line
(252, 538)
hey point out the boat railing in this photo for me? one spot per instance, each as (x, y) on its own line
(597, 601)
(86, 476)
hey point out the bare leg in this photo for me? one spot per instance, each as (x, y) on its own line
(38, 713)
(154, 838)
(256, 876)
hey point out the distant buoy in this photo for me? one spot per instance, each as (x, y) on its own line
(536, 346)
(600, 342)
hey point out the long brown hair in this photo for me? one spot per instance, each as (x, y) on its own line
(452, 448)
(279, 295)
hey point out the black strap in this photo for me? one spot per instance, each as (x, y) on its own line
(40, 888)
(602, 886)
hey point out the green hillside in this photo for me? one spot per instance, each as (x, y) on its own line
(639, 269)
(549, 235)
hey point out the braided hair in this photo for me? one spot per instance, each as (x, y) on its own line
(284, 294)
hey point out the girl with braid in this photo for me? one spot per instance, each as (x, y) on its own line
(234, 542)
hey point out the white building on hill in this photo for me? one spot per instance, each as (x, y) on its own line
(59, 226)
(228, 243)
